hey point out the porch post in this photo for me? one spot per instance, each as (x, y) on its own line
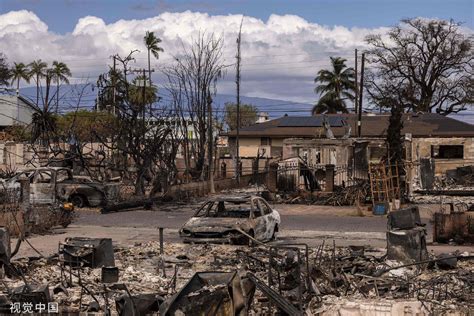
(329, 178)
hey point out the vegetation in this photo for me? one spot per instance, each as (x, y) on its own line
(394, 135)
(151, 147)
(151, 43)
(84, 125)
(335, 87)
(38, 71)
(4, 71)
(422, 65)
(248, 115)
(60, 73)
(140, 95)
(43, 127)
(192, 83)
(19, 72)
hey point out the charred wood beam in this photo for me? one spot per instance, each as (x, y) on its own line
(276, 298)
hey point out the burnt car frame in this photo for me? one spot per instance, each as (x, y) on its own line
(219, 221)
(51, 184)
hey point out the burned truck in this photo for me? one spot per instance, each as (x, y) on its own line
(232, 220)
(49, 185)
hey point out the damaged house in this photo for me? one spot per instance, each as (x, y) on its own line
(433, 143)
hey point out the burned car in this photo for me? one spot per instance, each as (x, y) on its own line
(49, 185)
(219, 221)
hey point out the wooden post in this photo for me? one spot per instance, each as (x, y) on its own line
(329, 178)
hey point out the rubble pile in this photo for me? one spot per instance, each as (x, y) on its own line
(282, 277)
(341, 196)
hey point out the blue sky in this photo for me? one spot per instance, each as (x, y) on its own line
(61, 15)
(284, 43)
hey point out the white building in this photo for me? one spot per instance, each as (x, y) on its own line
(15, 110)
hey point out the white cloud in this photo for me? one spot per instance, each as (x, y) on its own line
(286, 48)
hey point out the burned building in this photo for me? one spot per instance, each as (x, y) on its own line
(430, 139)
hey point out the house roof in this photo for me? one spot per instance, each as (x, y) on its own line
(373, 125)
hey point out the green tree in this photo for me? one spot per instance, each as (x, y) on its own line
(136, 93)
(43, 126)
(151, 43)
(60, 73)
(38, 71)
(248, 115)
(334, 86)
(19, 71)
(85, 125)
(4, 71)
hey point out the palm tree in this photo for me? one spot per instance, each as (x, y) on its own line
(151, 43)
(61, 73)
(38, 70)
(334, 87)
(43, 125)
(19, 71)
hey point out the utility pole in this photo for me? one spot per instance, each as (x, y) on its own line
(210, 147)
(237, 81)
(355, 83)
(359, 120)
(113, 84)
(143, 98)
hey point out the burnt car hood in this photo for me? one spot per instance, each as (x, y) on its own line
(215, 224)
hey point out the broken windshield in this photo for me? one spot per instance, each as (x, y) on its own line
(225, 209)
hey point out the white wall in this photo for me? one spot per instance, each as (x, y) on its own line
(14, 111)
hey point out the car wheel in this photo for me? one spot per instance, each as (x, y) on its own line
(78, 201)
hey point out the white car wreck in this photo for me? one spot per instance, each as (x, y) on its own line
(222, 219)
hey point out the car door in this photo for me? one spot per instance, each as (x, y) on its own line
(269, 218)
(42, 189)
(259, 219)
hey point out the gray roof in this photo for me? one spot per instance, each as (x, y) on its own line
(373, 125)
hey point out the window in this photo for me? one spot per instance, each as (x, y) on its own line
(377, 153)
(62, 175)
(265, 141)
(43, 177)
(257, 208)
(447, 151)
(264, 207)
(318, 156)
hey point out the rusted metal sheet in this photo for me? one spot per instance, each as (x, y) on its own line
(88, 252)
(407, 245)
(138, 305)
(457, 226)
(406, 218)
(211, 293)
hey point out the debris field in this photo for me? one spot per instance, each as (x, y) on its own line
(285, 278)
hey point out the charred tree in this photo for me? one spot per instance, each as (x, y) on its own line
(191, 80)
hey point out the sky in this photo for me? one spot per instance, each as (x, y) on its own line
(284, 43)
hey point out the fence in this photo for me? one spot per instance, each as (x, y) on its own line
(296, 175)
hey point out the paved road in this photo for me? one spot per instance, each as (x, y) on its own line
(300, 223)
(294, 217)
